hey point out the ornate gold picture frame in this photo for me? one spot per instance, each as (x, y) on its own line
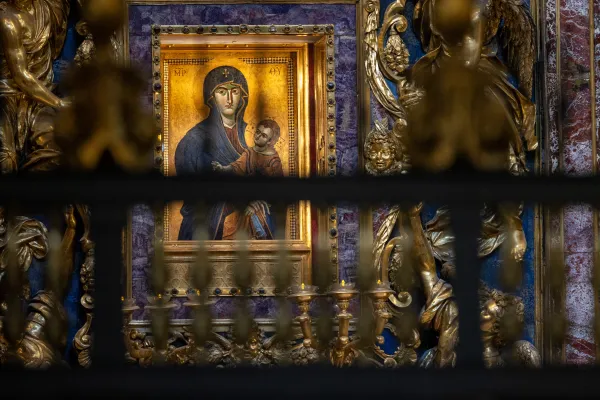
(290, 71)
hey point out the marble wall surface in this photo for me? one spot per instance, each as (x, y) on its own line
(573, 52)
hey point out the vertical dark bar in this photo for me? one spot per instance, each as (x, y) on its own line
(107, 224)
(466, 225)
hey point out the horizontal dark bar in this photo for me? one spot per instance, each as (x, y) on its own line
(448, 188)
(303, 383)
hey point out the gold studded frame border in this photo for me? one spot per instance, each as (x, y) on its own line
(311, 152)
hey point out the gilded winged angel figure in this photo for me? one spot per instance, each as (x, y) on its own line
(475, 42)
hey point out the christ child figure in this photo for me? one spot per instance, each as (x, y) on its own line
(260, 160)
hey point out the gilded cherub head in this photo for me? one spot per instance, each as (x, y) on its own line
(493, 305)
(383, 152)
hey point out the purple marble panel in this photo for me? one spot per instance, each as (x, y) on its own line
(142, 231)
(574, 34)
(551, 36)
(553, 108)
(578, 267)
(577, 129)
(578, 228)
(580, 293)
(259, 307)
(580, 348)
(348, 229)
(142, 17)
(596, 101)
(347, 115)
(575, 111)
(379, 214)
(378, 112)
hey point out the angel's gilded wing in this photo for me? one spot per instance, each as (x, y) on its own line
(518, 37)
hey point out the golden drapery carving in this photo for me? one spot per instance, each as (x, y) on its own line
(36, 350)
(33, 34)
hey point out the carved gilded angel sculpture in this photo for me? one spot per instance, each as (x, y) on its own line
(496, 352)
(460, 43)
(476, 49)
(32, 34)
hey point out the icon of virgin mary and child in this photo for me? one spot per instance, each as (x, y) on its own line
(217, 144)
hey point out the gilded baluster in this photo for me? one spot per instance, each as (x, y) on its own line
(202, 276)
(556, 281)
(370, 324)
(406, 318)
(511, 273)
(306, 352)
(55, 284)
(323, 276)
(243, 277)
(511, 276)
(283, 281)
(159, 304)
(341, 354)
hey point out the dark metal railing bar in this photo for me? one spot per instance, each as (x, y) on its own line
(107, 228)
(304, 383)
(127, 190)
(466, 222)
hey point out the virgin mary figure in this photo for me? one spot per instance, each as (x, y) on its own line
(220, 138)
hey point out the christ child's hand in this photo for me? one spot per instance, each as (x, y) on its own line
(217, 167)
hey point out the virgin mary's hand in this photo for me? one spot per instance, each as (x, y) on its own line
(258, 206)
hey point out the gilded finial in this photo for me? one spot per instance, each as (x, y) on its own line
(302, 286)
(379, 281)
(343, 282)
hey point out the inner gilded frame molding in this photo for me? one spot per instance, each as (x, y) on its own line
(180, 255)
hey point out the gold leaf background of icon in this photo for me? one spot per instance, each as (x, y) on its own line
(269, 98)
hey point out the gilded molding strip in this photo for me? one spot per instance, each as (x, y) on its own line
(593, 91)
(595, 221)
(539, 15)
(561, 163)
